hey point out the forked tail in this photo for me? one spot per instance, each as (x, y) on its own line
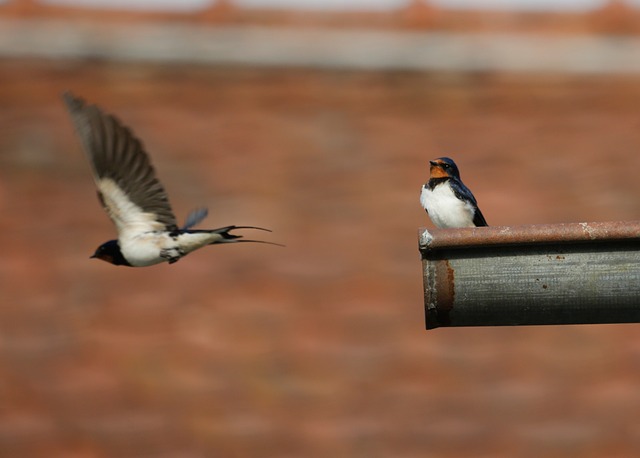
(228, 237)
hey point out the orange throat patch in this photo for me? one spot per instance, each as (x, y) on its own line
(437, 172)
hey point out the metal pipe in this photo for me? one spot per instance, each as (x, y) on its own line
(575, 273)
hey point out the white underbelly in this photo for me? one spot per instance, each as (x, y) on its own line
(144, 249)
(445, 209)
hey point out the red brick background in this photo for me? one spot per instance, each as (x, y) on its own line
(317, 349)
(611, 17)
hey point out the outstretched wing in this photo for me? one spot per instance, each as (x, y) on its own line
(128, 188)
(464, 193)
(195, 217)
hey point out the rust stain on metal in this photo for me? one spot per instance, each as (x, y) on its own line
(525, 235)
(588, 230)
(445, 291)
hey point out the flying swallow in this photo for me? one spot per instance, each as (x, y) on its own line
(134, 198)
(448, 202)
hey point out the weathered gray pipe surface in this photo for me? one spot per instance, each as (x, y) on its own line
(576, 273)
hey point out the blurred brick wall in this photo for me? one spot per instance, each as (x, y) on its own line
(612, 17)
(317, 349)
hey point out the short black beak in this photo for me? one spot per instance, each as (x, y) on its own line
(92, 256)
(434, 163)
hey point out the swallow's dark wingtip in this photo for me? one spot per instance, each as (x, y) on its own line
(71, 101)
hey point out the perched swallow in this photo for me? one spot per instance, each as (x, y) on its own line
(448, 202)
(134, 198)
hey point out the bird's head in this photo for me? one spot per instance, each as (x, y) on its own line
(110, 252)
(443, 167)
